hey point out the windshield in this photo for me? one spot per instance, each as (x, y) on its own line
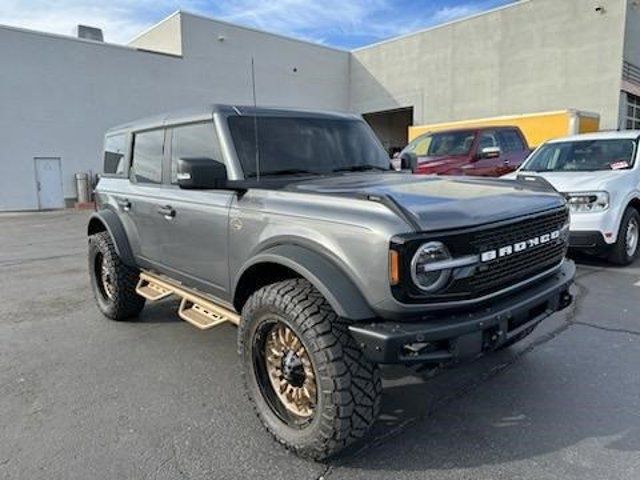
(582, 156)
(442, 144)
(306, 145)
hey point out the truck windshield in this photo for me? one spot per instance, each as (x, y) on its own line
(582, 156)
(442, 144)
(306, 145)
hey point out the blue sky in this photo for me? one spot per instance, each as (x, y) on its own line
(339, 23)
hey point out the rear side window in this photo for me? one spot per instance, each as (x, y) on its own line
(193, 141)
(510, 141)
(114, 150)
(148, 149)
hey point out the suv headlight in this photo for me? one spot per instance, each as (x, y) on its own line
(587, 202)
(424, 267)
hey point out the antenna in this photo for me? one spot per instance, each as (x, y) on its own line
(255, 118)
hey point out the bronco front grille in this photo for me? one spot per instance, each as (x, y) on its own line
(490, 277)
(506, 271)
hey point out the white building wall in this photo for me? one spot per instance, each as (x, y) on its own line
(531, 56)
(58, 94)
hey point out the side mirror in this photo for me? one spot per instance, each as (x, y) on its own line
(408, 161)
(201, 173)
(490, 152)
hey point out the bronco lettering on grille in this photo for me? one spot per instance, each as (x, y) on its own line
(512, 249)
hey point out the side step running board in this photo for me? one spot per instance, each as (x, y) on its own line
(195, 309)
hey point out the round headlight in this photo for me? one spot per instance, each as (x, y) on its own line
(424, 276)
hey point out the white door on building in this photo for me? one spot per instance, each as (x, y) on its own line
(49, 183)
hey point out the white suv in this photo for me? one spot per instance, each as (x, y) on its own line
(600, 176)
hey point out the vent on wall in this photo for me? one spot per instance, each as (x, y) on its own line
(89, 33)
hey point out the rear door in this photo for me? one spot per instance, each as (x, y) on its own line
(146, 195)
(194, 240)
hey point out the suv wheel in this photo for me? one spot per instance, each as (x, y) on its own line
(625, 249)
(113, 282)
(309, 383)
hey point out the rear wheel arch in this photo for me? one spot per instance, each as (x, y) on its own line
(108, 221)
(293, 261)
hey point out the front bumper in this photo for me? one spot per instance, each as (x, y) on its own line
(588, 240)
(467, 334)
(597, 222)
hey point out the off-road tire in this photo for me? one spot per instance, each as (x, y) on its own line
(348, 385)
(124, 303)
(619, 254)
(520, 336)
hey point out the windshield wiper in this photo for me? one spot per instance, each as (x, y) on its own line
(360, 168)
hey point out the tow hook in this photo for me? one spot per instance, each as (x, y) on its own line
(565, 300)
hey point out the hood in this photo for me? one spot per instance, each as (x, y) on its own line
(440, 203)
(579, 181)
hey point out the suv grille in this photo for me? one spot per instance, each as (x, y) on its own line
(503, 272)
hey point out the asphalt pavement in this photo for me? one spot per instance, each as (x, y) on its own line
(82, 397)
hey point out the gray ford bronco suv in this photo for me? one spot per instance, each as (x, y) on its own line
(293, 226)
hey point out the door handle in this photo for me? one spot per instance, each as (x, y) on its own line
(125, 204)
(167, 212)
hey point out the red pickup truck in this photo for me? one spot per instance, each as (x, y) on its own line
(485, 151)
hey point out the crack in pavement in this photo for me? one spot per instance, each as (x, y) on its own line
(606, 329)
(13, 263)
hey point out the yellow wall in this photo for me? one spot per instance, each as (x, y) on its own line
(537, 127)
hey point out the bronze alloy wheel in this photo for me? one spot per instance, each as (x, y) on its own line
(290, 371)
(309, 383)
(104, 277)
(291, 390)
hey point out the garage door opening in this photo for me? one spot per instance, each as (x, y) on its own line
(391, 127)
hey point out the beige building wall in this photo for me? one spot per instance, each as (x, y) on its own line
(532, 56)
(632, 37)
(165, 37)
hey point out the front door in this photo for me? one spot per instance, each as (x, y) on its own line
(486, 166)
(49, 183)
(195, 237)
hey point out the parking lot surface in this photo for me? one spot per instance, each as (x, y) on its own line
(82, 397)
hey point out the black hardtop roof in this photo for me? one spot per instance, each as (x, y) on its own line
(206, 112)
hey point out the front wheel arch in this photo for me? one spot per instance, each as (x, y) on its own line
(290, 261)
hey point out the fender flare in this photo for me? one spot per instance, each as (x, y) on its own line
(324, 274)
(112, 224)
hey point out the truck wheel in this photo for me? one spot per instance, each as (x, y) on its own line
(309, 383)
(625, 250)
(113, 282)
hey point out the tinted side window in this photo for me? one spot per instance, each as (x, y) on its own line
(193, 141)
(114, 149)
(488, 139)
(148, 148)
(510, 141)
